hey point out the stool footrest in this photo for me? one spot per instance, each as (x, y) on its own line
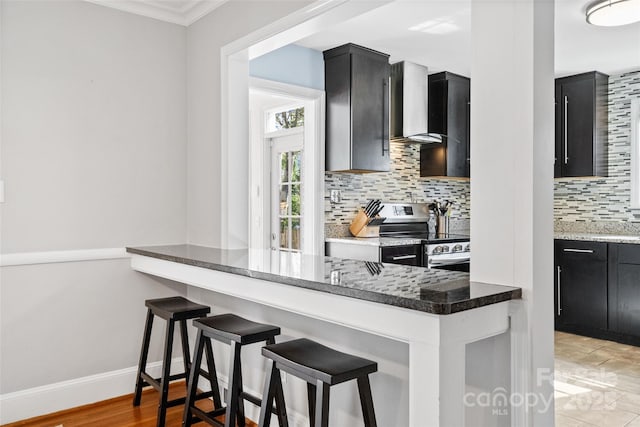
(155, 382)
(176, 402)
(209, 416)
(256, 401)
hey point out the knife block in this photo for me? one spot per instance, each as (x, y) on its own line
(359, 228)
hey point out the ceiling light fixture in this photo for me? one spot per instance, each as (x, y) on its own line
(613, 13)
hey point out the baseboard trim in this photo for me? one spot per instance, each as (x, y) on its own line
(63, 395)
(43, 400)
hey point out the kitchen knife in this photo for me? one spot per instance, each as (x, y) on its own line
(368, 207)
(376, 205)
(376, 209)
(371, 209)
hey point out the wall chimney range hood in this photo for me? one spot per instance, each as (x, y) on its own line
(409, 101)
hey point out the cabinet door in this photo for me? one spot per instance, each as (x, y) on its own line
(581, 284)
(625, 292)
(370, 113)
(577, 108)
(457, 142)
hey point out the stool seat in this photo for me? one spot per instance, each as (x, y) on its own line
(176, 308)
(229, 327)
(318, 361)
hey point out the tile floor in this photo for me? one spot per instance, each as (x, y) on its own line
(597, 382)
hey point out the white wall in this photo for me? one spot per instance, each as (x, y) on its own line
(205, 38)
(93, 156)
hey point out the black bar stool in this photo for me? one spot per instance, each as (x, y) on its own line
(171, 309)
(237, 332)
(321, 367)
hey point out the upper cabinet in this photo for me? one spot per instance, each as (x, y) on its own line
(357, 115)
(581, 125)
(449, 114)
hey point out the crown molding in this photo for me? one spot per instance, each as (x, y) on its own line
(184, 14)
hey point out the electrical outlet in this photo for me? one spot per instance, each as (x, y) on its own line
(335, 196)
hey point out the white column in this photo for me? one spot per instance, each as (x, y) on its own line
(512, 171)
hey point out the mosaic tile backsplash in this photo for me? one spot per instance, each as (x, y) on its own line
(579, 203)
(605, 199)
(401, 184)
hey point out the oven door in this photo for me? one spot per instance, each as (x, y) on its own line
(455, 261)
(405, 254)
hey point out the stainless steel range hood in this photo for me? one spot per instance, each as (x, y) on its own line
(409, 101)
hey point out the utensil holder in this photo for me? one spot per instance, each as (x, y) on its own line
(442, 225)
(359, 228)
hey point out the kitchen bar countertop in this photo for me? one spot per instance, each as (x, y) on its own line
(416, 288)
(598, 237)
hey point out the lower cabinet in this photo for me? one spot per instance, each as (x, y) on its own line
(581, 284)
(624, 288)
(597, 289)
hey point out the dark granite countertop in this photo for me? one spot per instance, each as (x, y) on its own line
(428, 290)
(599, 237)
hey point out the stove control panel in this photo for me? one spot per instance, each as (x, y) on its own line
(446, 248)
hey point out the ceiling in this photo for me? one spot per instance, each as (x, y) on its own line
(437, 33)
(182, 12)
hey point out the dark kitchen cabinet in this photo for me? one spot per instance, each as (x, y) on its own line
(581, 125)
(405, 254)
(449, 114)
(357, 114)
(580, 285)
(624, 288)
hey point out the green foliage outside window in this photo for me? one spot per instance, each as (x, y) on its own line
(290, 119)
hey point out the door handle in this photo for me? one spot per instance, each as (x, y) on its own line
(559, 301)
(579, 251)
(385, 147)
(566, 146)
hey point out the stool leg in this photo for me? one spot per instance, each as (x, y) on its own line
(144, 352)
(232, 395)
(268, 394)
(281, 407)
(311, 398)
(322, 404)
(186, 357)
(194, 374)
(213, 376)
(366, 401)
(166, 372)
(240, 420)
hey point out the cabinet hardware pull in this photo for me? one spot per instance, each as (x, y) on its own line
(396, 258)
(384, 92)
(579, 251)
(566, 107)
(559, 302)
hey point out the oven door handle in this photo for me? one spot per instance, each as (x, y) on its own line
(400, 257)
(449, 260)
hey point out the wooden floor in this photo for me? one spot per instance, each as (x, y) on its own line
(119, 412)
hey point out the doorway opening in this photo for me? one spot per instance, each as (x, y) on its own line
(286, 167)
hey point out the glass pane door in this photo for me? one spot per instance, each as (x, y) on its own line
(287, 189)
(290, 200)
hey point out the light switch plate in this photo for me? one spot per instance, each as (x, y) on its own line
(335, 196)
